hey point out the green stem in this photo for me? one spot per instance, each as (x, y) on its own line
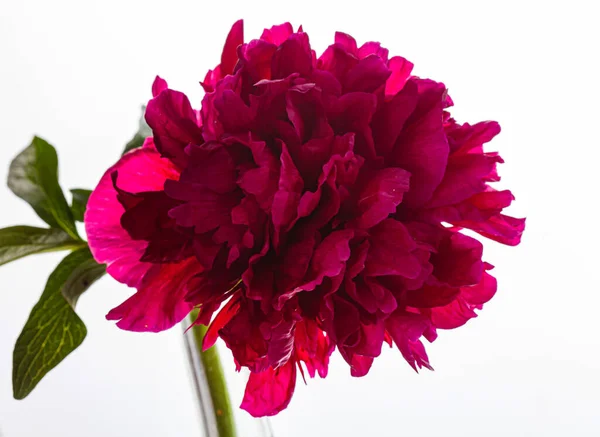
(215, 382)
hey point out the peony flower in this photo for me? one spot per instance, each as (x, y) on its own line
(313, 203)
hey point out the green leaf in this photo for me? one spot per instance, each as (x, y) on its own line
(33, 176)
(143, 132)
(53, 330)
(19, 241)
(80, 199)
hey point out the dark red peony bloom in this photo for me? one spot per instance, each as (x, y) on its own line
(313, 202)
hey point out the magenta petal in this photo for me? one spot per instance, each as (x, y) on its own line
(347, 42)
(292, 56)
(406, 329)
(160, 301)
(140, 170)
(262, 181)
(501, 228)
(381, 196)
(465, 176)
(313, 348)
(174, 125)
(461, 310)
(367, 75)
(269, 392)
(278, 34)
(401, 69)
(221, 319)
(391, 117)
(287, 197)
(337, 61)
(391, 250)
(234, 39)
(158, 85)
(360, 365)
(422, 147)
(329, 258)
(458, 260)
(373, 48)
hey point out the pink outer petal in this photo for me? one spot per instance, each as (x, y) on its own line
(269, 392)
(160, 301)
(140, 170)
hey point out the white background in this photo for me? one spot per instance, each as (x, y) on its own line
(76, 72)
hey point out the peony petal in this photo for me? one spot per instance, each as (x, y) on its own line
(160, 301)
(390, 118)
(243, 337)
(380, 197)
(458, 260)
(406, 329)
(329, 258)
(466, 175)
(158, 86)
(256, 57)
(292, 56)
(235, 38)
(140, 170)
(422, 147)
(174, 125)
(353, 112)
(466, 138)
(373, 48)
(337, 61)
(269, 392)
(401, 69)
(347, 42)
(287, 197)
(367, 75)
(462, 308)
(502, 228)
(278, 34)
(390, 252)
(360, 365)
(225, 315)
(313, 347)
(262, 181)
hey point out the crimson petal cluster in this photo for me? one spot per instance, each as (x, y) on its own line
(313, 203)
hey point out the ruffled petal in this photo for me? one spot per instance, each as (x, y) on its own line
(235, 38)
(292, 56)
(269, 392)
(422, 147)
(313, 348)
(138, 171)
(174, 125)
(160, 300)
(458, 260)
(329, 258)
(461, 310)
(401, 69)
(380, 196)
(390, 251)
(406, 329)
(278, 34)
